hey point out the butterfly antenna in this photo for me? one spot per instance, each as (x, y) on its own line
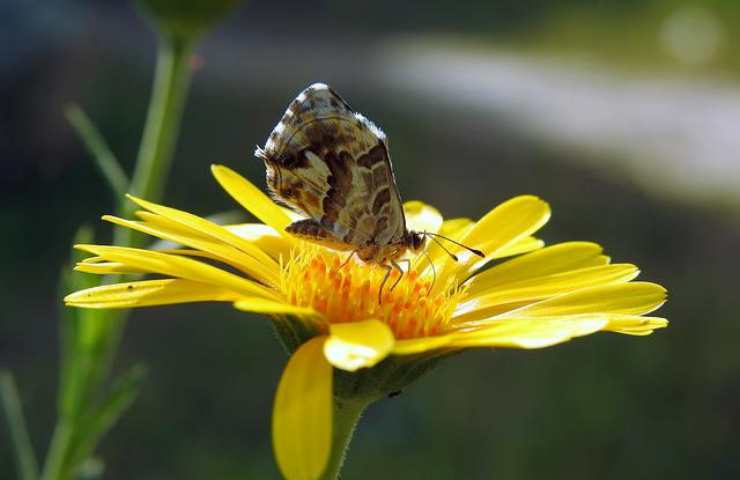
(471, 250)
(454, 257)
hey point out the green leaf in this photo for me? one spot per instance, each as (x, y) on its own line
(73, 320)
(88, 339)
(98, 148)
(186, 19)
(24, 456)
(98, 421)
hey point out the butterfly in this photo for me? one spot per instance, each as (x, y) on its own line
(332, 165)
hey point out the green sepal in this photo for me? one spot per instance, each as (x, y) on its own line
(392, 375)
(293, 332)
(185, 19)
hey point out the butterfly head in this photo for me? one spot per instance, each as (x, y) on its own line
(415, 241)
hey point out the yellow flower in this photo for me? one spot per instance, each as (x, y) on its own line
(541, 297)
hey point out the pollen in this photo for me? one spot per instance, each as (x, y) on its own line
(350, 291)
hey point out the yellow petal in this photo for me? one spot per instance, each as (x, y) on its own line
(251, 198)
(148, 293)
(502, 227)
(509, 222)
(156, 220)
(201, 226)
(261, 305)
(634, 324)
(265, 237)
(549, 260)
(526, 244)
(421, 217)
(412, 346)
(105, 268)
(453, 229)
(531, 332)
(179, 267)
(456, 227)
(481, 303)
(223, 252)
(302, 416)
(636, 298)
(356, 345)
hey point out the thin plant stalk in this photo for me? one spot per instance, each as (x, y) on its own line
(346, 415)
(170, 87)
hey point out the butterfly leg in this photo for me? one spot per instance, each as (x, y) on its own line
(400, 271)
(434, 273)
(388, 270)
(348, 259)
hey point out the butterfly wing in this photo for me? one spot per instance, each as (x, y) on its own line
(332, 164)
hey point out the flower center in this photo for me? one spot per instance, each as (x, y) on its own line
(349, 292)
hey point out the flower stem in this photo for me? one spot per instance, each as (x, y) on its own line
(170, 87)
(346, 416)
(171, 83)
(61, 441)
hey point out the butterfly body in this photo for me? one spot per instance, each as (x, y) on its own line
(332, 164)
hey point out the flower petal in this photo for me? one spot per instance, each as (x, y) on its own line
(495, 299)
(99, 266)
(251, 198)
(201, 226)
(148, 293)
(526, 244)
(549, 260)
(531, 332)
(635, 298)
(179, 267)
(421, 217)
(412, 346)
(261, 305)
(456, 227)
(302, 416)
(508, 222)
(500, 228)
(222, 251)
(634, 324)
(356, 345)
(265, 237)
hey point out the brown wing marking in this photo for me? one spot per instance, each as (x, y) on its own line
(340, 186)
(377, 211)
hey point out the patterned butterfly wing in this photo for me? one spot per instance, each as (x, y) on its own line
(332, 164)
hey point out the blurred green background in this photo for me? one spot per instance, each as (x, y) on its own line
(624, 115)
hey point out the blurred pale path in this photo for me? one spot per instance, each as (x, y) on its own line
(680, 136)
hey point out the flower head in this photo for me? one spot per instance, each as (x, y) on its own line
(327, 306)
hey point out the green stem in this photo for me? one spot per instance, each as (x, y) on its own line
(171, 83)
(61, 440)
(346, 416)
